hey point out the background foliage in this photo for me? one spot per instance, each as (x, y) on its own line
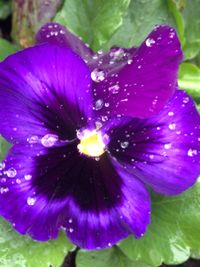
(174, 234)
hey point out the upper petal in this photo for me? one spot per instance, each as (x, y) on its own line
(145, 84)
(55, 33)
(96, 202)
(42, 89)
(164, 150)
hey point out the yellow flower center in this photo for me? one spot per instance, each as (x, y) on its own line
(91, 144)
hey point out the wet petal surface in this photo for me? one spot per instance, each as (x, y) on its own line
(42, 92)
(145, 84)
(163, 151)
(55, 33)
(96, 202)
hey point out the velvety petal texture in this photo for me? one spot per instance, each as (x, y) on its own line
(42, 92)
(162, 151)
(93, 201)
(147, 81)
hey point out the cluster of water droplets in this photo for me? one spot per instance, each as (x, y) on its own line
(47, 140)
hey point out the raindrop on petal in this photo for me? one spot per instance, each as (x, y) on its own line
(31, 201)
(192, 152)
(11, 172)
(124, 144)
(49, 140)
(97, 75)
(150, 42)
(114, 89)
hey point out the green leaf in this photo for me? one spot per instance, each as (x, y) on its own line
(4, 146)
(6, 48)
(93, 20)
(189, 80)
(21, 251)
(5, 8)
(173, 232)
(142, 16)
(192, 25)
(105, 258)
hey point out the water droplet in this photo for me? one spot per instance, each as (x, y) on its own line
(192, 152)
(117, 54)
(11, 172)
(4, 190)
(150, 42)
(31, 201)
(33, 139)
(172, 126)
(2, 165)
(97, 75)
(98, 104)
(167, 146)
(28, 177)
(114, 89)
(71, 230)
(107, 105)
(70, 220)
(170, 113)
(18, 181)
(124, 144)
(186, 100)
(109, 244)
(49, 140)
(151, 156)
(129, 61)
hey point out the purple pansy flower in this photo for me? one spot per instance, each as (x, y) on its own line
(88, 139)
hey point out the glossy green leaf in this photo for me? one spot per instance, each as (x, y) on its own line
(106, 258)
(191, 15)
(173, 232)
(5, 8)
(142, 16)
(6, 48)
(21, 251)
(189, 80)
(93, 20)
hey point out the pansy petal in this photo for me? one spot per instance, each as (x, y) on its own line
(97, 202)
(142, 87)
(55, 33)
(164, 150)
(42, 89)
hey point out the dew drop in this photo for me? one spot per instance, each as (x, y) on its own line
(124, 144)
(114, 89)
(28, 177)
(33, 139)
(170, 113)
(4, 190)
(11, 172)
(71, 230)
(99, 104)
(192, 152)
(97, 75)
(150, 42)
(49, 140)
(2, 166)
(172, 126)
(117, 54)
(186, 100)
(70, 220)
(167, 146)
(31, 201)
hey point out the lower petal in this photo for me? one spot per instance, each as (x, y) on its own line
(96, 202)
(162, 151)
